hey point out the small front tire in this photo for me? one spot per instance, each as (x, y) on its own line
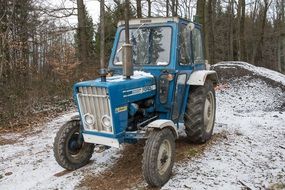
(70, 151)
(158, 157)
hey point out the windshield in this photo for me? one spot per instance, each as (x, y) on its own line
(151, 46)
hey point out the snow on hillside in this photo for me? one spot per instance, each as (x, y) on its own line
(257, 70)
(250, 116)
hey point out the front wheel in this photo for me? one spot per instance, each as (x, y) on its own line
(70, 151)
(158, 157)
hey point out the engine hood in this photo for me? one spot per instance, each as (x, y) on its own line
(119, 93)
(121, 90)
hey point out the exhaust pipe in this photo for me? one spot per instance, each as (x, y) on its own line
(102, 70)
(128, 70)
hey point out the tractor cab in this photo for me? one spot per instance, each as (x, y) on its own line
(159, 44)
(170, 49)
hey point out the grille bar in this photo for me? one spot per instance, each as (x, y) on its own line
(94, 101)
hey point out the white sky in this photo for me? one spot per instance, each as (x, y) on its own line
(93, 8)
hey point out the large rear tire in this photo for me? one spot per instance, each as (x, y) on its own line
(158, 157)
(70, 151)
(199, 118)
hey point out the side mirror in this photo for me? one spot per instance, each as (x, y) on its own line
(190, 26)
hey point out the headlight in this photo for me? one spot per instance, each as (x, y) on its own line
(89, 119)
(106, 121)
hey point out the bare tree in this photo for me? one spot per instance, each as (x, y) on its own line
(81, 32)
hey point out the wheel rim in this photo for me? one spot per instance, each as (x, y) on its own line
(74, 144)
(209, 111)
(164, 157)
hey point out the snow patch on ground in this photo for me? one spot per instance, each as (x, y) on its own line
(30, 164)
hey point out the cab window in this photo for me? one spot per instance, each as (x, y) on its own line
(198, 53)
(185, 46)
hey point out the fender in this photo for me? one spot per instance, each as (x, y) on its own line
(198, 78)
(162, 123)
(75, 117)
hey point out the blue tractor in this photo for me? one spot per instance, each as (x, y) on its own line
(158, 81)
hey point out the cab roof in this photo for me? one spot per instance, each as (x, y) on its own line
(157, 20)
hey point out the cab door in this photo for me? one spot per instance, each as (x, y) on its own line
(179, 94)
(184, 63)
(191, 58)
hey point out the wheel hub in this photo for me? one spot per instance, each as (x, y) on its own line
(209, 111)
(74, 144)
(164, 157)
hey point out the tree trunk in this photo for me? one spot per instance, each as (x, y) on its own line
(282, 25)
(231, 30)
(237, 24)
(200, 11)
(173, 7)
(149, 8)
(82, 32)
(167, 8)
(242, 34)
(4, 58)
(210, 29)
(139, 9)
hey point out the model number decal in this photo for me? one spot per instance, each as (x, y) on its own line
(137, 91)
(121, 109)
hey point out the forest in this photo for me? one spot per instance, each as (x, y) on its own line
(41, 57)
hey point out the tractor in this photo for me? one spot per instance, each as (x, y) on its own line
(157, 83)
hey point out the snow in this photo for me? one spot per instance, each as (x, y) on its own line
(137, 75)
(119, 63)
(30, 164)
(250, 154)
(117, 78)
(162, 63)
(142, 74)
(257, 70)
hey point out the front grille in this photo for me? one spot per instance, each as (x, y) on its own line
(94, 101)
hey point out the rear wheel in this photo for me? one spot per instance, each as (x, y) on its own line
(158, 157)
(199, 118)
(70, 151)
